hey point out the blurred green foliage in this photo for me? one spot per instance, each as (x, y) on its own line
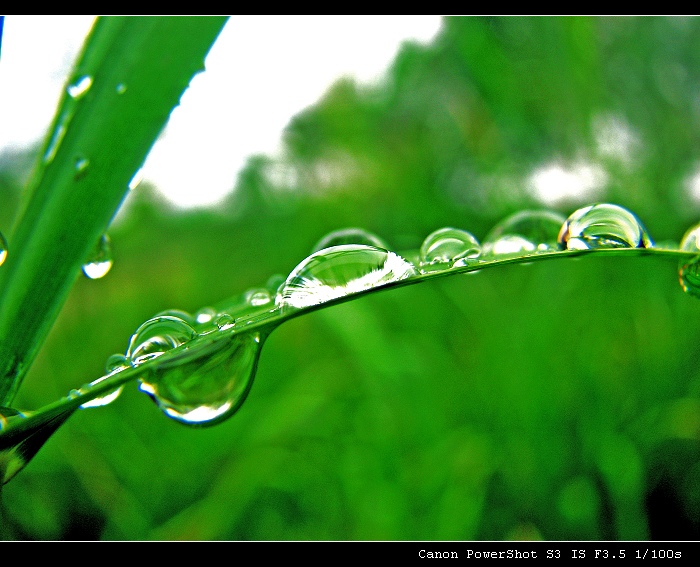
(559, 400)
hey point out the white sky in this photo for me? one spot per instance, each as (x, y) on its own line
(261, 71)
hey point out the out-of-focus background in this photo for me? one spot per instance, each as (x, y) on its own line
(559, 400)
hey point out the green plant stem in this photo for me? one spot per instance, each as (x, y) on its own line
(139, 68)
(266, 325)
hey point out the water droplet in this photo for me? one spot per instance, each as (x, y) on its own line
(79, 87)
(224, 322)
(179, 313)
(157, 336)
(136, 179)
(56, 139)
(81, 167)
(258, 297)
(339, 271)
(100, 259)
(448, 248)
(603, 226)
(349, 236)
(121, 88)
(207, 384)
(115, 364)
(205, 315)
(689, 270)
(525, 232)
(3, 249)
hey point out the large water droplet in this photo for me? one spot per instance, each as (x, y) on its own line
(115, 364)
(689, 270)
(100, 260)
(3, 249)
(448, 248)
(603, 226)
(157, 336)
(207, 384)
(349, 236)
(525, 232)
(79, 87)
(339, 271)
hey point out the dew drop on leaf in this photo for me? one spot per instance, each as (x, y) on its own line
(100, 260)
(206, 384)
(340, 271)
(525, 232)
(448, 248)
(349, 236)
(603, 226)
(121, 88)
(689, 270)
(79, 87)
(3, 249)
(115, 364)
(81, 167)
(205, 315)
(258, 297)
(156, 337)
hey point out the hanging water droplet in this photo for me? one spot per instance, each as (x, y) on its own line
(349, 236)
(448, 248)
(79, 87)
(81, 167)
(258, 297)
(689, 270)
(157, 336)
(525, 232)
(603, 226)
(339, 271)
(115, 364)
(3, 249)
(100, 260)
(207, 384)
(121, 88)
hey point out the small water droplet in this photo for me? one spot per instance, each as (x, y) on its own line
(224, 322)
(525, 232)
(258, 297)
(3, 249)
(100, 260)
(349, 236)
(339, 271)
(81, 167)
(603, 226)
(56, 139)
(157, 336)
(79, 87)
(115, 364)
(205, 315)
(121, 88)
(689, 270)
(136, 179)
(207, 384)
(448, 248)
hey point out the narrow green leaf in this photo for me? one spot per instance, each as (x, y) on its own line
(131, 74)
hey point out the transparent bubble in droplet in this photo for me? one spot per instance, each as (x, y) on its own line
(207, 384)
(156, 337)
(258, 297)
(523, 233)
(603, 226)
(3, 249)
(339, 271)
(115, 364)
(448, 248)
(689, 270)
(99, 262)
(349, 236)
(79, 87)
